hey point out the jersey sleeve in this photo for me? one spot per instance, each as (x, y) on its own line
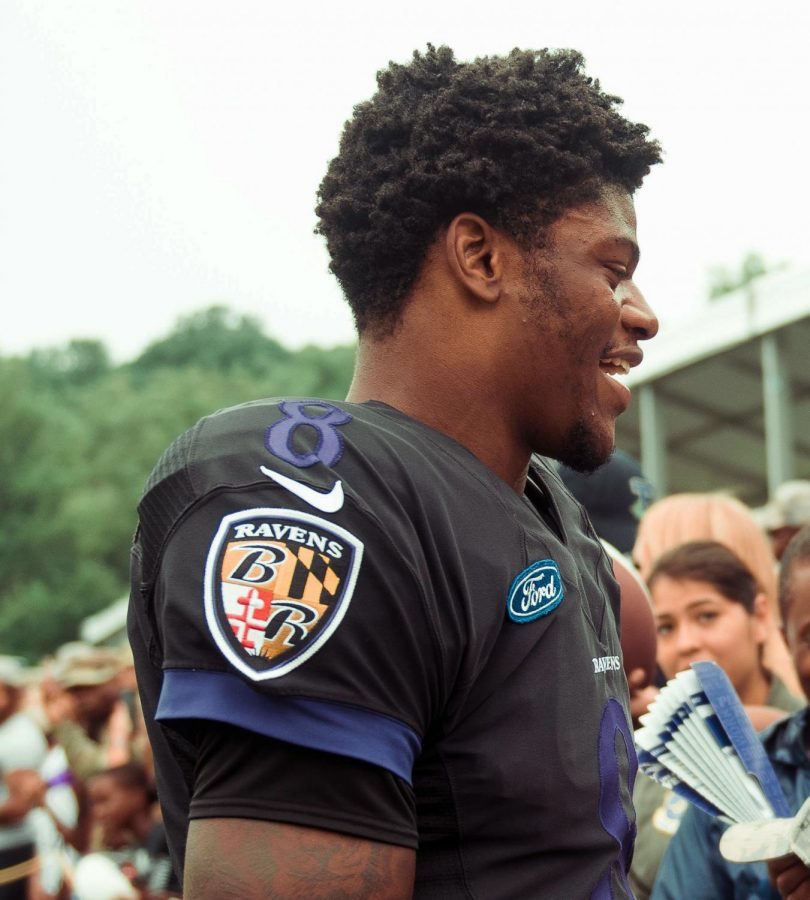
(306, 627)
(247, 775)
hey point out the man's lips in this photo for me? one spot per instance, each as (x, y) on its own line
(617, 362)
(621, 359)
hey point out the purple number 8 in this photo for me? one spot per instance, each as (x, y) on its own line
(612, 814)
(329, 446)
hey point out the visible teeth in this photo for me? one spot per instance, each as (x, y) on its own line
(621, 364)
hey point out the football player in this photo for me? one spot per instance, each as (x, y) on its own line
(377, 645)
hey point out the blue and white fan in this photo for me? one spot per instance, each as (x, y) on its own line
(697, 740)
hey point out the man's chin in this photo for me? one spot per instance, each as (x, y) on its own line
(586, 449)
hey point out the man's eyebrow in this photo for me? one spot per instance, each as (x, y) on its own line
(629, 244)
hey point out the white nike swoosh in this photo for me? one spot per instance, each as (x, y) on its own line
(329, 502)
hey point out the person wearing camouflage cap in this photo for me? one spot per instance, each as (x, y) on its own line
(83, 703)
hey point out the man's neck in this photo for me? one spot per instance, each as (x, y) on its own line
(445, 399)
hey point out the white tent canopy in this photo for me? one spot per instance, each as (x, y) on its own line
(722, 402)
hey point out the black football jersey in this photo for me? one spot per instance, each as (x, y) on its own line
(345, 580)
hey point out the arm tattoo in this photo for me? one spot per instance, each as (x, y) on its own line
(246, 859)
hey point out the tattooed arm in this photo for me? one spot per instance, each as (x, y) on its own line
(247, 859)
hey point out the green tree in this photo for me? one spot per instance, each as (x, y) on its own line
(80, 362)
(79, 436)
(217, 339)
(753, 266)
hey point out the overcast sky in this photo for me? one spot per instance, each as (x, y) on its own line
(157, 157)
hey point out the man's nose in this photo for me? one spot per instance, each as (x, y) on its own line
(637, 315)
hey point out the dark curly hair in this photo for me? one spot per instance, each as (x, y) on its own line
(517, 139)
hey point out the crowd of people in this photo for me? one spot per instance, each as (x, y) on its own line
(79, 816)
(728, 584)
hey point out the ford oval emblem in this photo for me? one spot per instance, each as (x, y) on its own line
(535, 592)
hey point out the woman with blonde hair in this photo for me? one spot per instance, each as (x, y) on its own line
(681, 518)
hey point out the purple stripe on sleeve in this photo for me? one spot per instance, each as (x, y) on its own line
(318, 724)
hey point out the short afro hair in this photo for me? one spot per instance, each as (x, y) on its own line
(517, 139)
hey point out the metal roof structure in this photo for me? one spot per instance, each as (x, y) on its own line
(722, 401)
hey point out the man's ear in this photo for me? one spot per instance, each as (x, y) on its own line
(476, 255)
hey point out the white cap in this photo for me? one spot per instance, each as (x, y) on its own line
(790, 506)
(12, 671)
(97, 877)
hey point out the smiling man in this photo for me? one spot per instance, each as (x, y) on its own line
(377, 639)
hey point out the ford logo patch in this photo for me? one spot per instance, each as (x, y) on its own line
(535, 592)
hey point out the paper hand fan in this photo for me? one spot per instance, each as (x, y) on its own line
(697, 740)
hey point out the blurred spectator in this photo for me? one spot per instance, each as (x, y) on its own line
(708, 606)
(123, 822)
(681, 518)
(22, 751)
(693, 865)
(87, 711)
(121, 800)
(615, 496)
(786, 514)
(69, 734)
(60, 831)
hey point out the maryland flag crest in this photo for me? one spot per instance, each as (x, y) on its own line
(277, 585)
